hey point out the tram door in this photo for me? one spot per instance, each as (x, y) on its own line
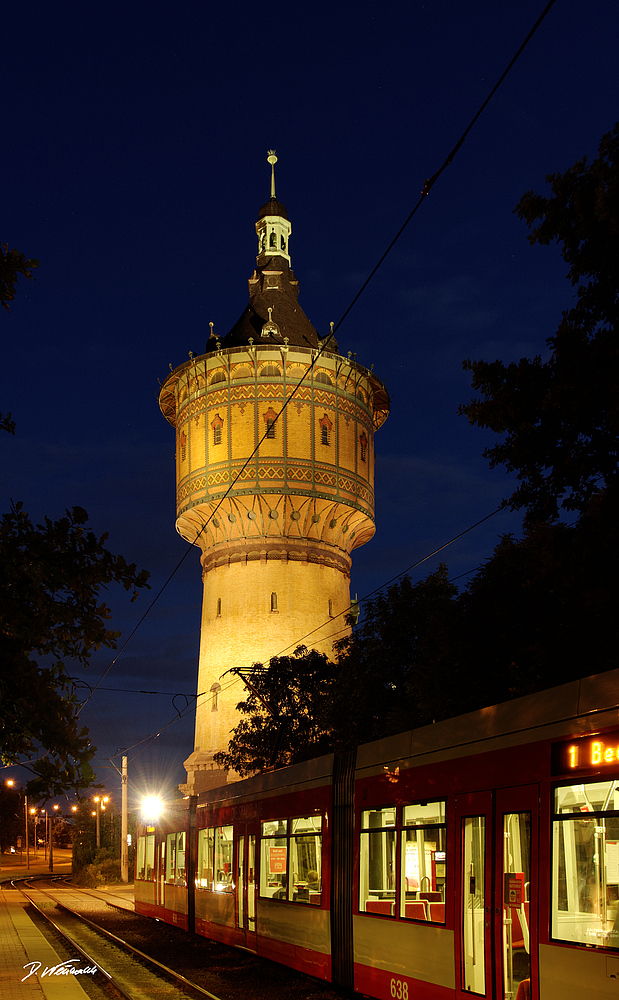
(246, 885)
(474, 892)
(516, 892)
(160, 873)
(496, 929)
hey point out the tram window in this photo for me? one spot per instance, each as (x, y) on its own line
(170, 868)
(377, 861)
(175, 859)
(206, 851)
(274, 860)
(223, 871)
(423, 859)
(291, 860)
(146, 858)
(306, 859)
(585, 865)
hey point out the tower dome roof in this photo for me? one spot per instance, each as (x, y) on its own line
(273, 314)
(273, 207)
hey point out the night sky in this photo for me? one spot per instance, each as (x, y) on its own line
(135, 138)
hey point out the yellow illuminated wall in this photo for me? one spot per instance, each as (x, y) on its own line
(275, 530)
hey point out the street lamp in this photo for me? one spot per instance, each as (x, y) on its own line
(100, 801)
(152, 807)
(10, 782)
(51, 838)
(33, 813)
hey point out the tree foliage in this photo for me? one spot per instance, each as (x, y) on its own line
(286, 713)
(541, 611)
(391, 668)
(51, 577)
(12, 264)
(559, 419)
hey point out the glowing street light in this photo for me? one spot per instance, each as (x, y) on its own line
(100, 801)
(152, 807)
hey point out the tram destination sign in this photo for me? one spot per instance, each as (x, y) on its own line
(585, 754)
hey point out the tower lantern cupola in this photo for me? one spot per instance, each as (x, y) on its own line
(273, 228)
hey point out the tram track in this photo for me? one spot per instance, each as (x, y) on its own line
(129, 972)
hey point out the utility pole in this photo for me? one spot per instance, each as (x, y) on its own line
(124, 847)
(26, 825)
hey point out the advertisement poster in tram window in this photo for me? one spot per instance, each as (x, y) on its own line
(277, 860)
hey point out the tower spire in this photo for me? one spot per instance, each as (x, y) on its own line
(273, 227)
(272, 159)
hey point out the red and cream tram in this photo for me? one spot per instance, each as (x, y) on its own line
(478, 856)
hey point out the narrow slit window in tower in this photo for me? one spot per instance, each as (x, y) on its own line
(270, 427)
(219, 607)
(325, 434)
(273, 601)
(217, 434)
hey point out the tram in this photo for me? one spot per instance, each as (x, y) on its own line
(478, 856)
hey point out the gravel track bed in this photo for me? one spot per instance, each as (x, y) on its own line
(229, 973)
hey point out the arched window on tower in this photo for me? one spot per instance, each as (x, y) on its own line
(325, 429)
(283, 244)
(217, 424)
(270, 369)
(273, 240)
(269, 419)
(215, 689)
(363, 442)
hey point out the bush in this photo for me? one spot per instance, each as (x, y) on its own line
(104, 870)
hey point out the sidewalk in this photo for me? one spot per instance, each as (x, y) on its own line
(23, 945)
(25, 952)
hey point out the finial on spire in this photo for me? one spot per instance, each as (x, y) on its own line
(272, 159)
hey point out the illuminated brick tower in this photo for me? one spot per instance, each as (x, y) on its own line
(276, 551)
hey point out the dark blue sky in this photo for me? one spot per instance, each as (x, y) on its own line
(134, 164)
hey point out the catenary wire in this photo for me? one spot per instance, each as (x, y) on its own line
(427, 187)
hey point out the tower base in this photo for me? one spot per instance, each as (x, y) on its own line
(203, 773)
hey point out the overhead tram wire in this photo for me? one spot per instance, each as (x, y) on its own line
(414, 565)
(427, 187)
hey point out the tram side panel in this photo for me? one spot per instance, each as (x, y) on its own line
(491, 868)
(263, 869)
(161, 884)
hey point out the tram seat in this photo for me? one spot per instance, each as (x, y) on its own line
(417, 910)
(524, 990)
(384, 906)
(432, 897)
(315, 897)
(437, 912)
